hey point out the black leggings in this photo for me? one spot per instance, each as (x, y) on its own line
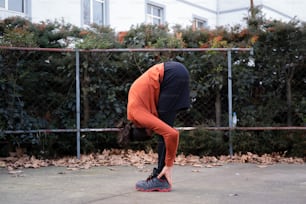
(167, 117)
(174, 96)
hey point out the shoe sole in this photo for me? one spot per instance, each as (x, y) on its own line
(154, 190)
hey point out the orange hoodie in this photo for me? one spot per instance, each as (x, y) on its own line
(142, 109)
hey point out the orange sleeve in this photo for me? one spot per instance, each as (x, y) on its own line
(170, 134)
(145, 90)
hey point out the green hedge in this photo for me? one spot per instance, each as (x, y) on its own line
(269, 87)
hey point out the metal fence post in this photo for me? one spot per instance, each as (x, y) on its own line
(230, 100)
(77, 87)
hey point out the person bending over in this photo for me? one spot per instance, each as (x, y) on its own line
(154, 99)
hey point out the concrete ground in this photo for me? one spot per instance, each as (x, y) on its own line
(231, 183)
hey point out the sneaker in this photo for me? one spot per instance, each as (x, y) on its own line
(153, 184)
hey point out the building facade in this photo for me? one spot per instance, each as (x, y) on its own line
(121, 15)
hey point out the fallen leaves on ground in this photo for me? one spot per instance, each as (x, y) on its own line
(139, 159)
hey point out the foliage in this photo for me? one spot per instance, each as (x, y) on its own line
(97, 38)
(38, 88)
(202, 143)
(279, 60)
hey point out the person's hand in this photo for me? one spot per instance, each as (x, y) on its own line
(167, 172)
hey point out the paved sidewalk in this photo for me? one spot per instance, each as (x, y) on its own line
(231, 183)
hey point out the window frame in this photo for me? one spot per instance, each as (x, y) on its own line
(88, 20)
(4, 6)
(195, 22)
(23, 7)
(150, 17)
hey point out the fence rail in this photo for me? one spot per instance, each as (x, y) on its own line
(178, 128)
(128, 49)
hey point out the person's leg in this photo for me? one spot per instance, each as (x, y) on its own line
(174, 95)
(167, 117)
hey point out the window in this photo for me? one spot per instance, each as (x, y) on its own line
(13, 5)
(2, 3)
(86, 12)
(155, 14)
(94, 12)
(199, 23)
(16, 5)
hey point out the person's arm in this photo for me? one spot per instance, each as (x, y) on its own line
(167, 172)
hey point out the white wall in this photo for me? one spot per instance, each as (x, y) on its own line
(291, 8)
(283, 10)
(5, 13)
(182, 14)
(67, 10)
(125, 13)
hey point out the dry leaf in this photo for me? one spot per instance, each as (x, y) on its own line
(73, 168)
(139, 159)
(197, 165)
(15, 172)
(2, 164)
(262, 166)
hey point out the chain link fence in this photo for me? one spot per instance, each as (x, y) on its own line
(75, 92)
